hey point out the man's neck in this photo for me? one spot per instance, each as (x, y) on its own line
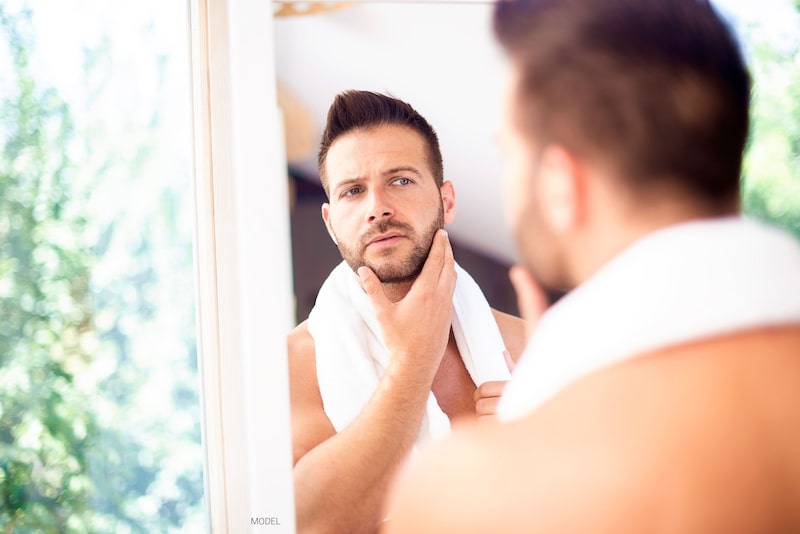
(620, 228)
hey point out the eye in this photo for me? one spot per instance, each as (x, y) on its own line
(402, 181)
(353, 191)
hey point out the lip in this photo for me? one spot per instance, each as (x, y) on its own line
(385, 240)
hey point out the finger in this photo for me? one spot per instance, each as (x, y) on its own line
(432, 268)
(449, 260)
(510, 363)
(448, 275)
(487, 406)
(531, 298)
(372, 287)
(492, 388)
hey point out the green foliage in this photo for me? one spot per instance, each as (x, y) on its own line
(44, 302)
(771, 175)
(90, 441)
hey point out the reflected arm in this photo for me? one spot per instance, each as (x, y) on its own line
(341, 479)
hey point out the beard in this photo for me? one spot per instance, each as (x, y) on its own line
(400, 270)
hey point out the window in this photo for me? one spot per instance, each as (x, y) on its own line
(100, 425)
(139, 329)
(770, 33)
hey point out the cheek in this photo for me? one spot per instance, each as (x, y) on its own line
(340, 223)
(515, 192)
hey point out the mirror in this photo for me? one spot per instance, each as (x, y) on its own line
(442, 59)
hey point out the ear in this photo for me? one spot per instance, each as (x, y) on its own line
(561, 188)
(448, 193)
(326, 217)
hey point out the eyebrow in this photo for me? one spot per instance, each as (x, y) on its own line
(402, 168)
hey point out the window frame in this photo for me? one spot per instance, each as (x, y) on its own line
(243, 267)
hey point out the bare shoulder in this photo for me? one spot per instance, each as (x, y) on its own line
(579, 463)
(512, 328)
(511, 478)
(310, 425)
(300, 341)
(302, 358)
(691, 439)
(585, 450)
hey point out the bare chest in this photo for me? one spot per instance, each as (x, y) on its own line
(452, 385)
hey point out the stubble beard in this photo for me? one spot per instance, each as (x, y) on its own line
(400, 270)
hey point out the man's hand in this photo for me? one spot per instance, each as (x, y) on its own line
(487, 395)
(336, 490)
(420, 322)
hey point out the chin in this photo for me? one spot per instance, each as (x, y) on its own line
(393, 276)
(395, 272)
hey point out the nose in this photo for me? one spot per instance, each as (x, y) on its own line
(379, 206)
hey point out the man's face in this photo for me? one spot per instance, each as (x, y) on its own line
(384, 204)
(536, 242)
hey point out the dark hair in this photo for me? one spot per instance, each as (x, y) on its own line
(352, 110)
(657, 87)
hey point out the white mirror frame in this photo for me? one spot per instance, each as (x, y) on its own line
(243, 263)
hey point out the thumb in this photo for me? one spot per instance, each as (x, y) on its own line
(372, 287)
(531, 298)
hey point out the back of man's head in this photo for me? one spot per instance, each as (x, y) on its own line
(353, 110)
(657, 89)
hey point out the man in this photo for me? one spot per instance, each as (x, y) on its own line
(400, 341)
(662, 393)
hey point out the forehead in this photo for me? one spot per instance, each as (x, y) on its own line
(364, 152)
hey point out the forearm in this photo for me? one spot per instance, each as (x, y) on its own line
(341, 483)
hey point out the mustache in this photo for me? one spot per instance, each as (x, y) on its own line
(383, 227)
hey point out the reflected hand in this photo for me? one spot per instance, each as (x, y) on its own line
(419, 323)
(488, 394)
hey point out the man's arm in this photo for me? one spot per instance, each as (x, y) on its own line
(341, 479)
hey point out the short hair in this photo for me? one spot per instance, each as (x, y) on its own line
(353, 110)
(657, 87)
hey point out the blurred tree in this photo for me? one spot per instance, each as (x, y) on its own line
(45, 425)
(771, 174)
(91, 440)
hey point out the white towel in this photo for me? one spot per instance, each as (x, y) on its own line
(352, 357)
(680, 284)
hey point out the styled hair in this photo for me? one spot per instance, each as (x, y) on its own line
(352, 110)
(658, 88)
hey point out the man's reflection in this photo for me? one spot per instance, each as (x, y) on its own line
(401, 341)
